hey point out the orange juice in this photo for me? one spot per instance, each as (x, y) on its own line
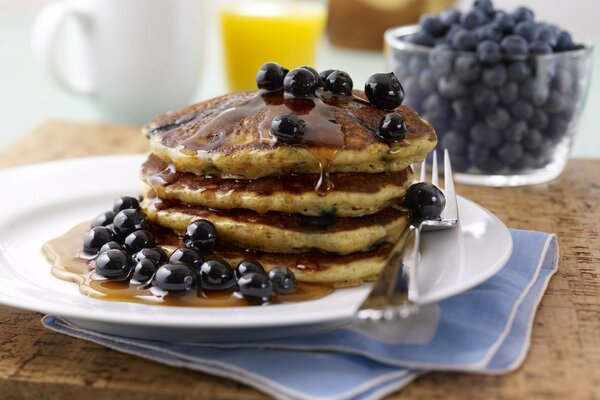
(255, 32)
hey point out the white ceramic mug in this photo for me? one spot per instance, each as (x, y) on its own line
(133, 58)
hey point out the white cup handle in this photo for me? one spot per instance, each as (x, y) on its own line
(48, 24)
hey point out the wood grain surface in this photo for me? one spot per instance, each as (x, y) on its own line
(564, 361)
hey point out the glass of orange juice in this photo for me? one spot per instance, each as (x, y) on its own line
(257, 31)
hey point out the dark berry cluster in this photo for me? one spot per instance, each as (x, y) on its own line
(496, 98)
(124, 249)
(383, 91)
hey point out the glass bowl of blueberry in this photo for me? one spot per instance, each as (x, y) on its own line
(503, 91)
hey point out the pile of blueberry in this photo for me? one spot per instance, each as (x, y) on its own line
(123, 249)
(494, 85)
(383, 91)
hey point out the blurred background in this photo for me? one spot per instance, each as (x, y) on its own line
(351, 41)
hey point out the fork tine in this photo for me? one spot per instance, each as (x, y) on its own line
(451, 209)
(434, 170)
(423, 171)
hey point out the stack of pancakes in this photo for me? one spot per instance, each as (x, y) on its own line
(325, 206)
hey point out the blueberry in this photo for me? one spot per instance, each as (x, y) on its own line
(126, 203)
(270, 77)
(523, 14)
(300, 82)
(563, 81)
(201, 235)
(138, 240)
(556, 102)
(527, 161)
(440, 59)
(128, 221)
(491, 164)
(504, 21)
(424, 200)
(255, 287)
(114, 265)
(144, 270)
(540, 47)
(521, 109)
(426, 81)
(392, 128)
(485, 136)
(484, 98)
(539, 120)
(97, 237)
(450, 16)
(477, 154)
(436, 107)
(526, 29)
(110, 246)
(451, 87)
(509, 153)
(564, 41)
(323, 75)
(547, 34)
(518, 71)
(421, 38)
(185, 255)
(488, 52)
(466, 68)
(535, 91)
(288, 128)
(463, 110)
(497, 118)
(508, 93)
(174, 278)
(216, 274)
(338, 82)
(454, 142)
(485, 6)
(495, 76)
(472, 19)
(416, 64)
(492, 32)
(464, 40)
(433, 25)
(515, 131)
(155, 254)
(103, 219)
(384, 91)
(557, 128)
(314, 72)
(247, 266)
(514, 45)
(283, 280)
(532, 140)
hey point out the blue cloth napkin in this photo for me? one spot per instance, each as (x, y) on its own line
(484, 330)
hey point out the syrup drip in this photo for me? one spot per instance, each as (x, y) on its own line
(68, 265)
(323, 136)
(163, 174)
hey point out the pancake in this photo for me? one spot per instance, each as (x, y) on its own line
(348, 194)
(282, 233)
(315, 267)
(230, 136)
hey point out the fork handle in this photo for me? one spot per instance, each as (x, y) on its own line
(398, 274)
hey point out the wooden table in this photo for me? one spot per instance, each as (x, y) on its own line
(564, 361)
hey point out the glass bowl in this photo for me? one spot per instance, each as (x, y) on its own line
(507, 124)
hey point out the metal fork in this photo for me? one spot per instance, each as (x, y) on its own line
(389, 299)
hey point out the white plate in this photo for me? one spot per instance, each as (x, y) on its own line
(45, 200)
